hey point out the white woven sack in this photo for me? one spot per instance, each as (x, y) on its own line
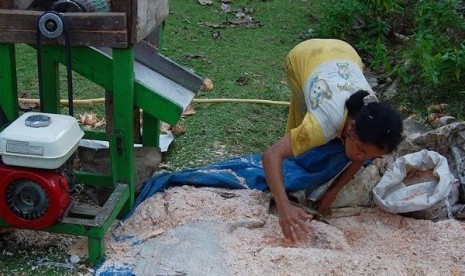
(393, 196)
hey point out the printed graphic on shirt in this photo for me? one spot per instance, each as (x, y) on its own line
(327, 90)
(347, 86)
(319, 90)
(343, 70)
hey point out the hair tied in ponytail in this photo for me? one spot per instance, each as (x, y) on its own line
(370, 98)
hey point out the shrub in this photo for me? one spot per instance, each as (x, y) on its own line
(421, 43)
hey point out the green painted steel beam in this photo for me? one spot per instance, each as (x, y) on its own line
(86, 61)
(8, 81)
(97, 67)
(94, 179)
(50, 82)
(156, 105)
(95, 135)
(150, 130)
(122, 138)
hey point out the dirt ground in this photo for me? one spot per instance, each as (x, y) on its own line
(372, 242)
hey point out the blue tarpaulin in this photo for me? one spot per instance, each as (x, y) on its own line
(306, 171)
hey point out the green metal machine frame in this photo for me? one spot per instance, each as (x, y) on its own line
(121, 140)
(116, 74)
(129, 68)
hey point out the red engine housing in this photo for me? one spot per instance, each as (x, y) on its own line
(51, 186)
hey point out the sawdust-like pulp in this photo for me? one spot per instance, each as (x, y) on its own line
(371, 243)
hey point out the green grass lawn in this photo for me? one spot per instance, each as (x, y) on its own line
(256, 54)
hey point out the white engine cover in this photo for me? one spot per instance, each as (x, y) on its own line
(28, 142)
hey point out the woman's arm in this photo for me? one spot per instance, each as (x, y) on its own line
(325, 201)
(291, 218)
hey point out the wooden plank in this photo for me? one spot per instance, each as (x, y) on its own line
(21, 4)
(121, 6)
(85, 29)
(83, 38)
(128, 7)
(143, 16)
(5, 4)
(27, 20)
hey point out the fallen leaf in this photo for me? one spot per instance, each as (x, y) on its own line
(100, 123)
(212, 25)
(178, 130)
(205, 2)
(154, 234)
(193, 56)
(164, 166)
(440, 108)
(245, 21)
(25, 96)
(207, 84)
(225, 7)
(189, 111)
(216, 34)
(405, 110)
(27, 106)
(164, 127)
(249, 10)
(90, 120)
(433, 116)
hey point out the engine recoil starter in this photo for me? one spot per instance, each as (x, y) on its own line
(32, 198)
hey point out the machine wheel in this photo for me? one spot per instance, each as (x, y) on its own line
(27, 199)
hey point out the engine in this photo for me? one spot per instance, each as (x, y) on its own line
(36, 169)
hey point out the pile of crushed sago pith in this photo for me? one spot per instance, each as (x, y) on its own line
(212, 231)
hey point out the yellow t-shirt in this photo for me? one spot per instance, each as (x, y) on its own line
(322, 74)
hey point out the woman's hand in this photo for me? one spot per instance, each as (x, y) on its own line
(324, 203)
(292, 220)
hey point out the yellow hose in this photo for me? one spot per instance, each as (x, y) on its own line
(240, 101)
(65, 102)
(102, 100)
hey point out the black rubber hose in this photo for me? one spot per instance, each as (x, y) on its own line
(39, 66)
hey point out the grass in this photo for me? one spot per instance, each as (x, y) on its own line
(217, 131)
(23, 262)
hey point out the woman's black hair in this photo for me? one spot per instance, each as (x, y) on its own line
(376, 123)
